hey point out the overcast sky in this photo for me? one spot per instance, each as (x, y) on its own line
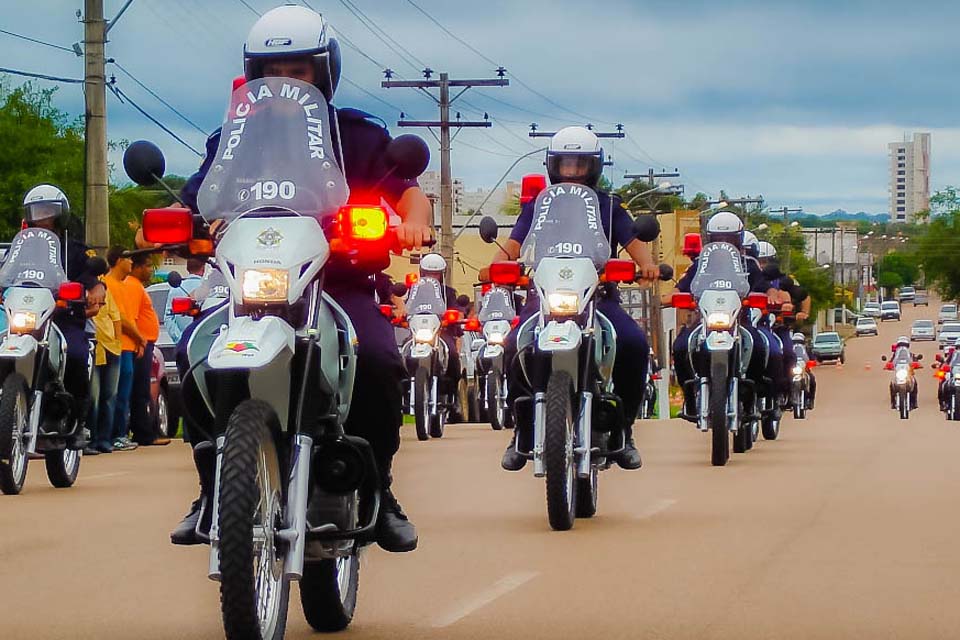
(792, 100)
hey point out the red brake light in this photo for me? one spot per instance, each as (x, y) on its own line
(167, 226)
(530, 187)
(757, 301)
(618, 270)
(411, 279)
(362, 222)
(386, 310)
(683, 301)
(505, 272)
(451, 316)
(70, 291)
(888, 366)
(182, 306)
(811, 364)
(472, 324)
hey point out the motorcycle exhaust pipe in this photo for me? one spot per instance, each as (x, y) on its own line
(295, 514)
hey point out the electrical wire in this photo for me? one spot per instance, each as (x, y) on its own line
(124, 97)
(451, 34)
(371, 94)
(162, 101)
(41, 76)
(371, 26)
(34, 40)
(244, 3)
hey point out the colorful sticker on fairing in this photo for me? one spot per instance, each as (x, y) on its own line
(241, 347)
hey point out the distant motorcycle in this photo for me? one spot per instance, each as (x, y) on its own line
(495, 321)
(903, 386)
(948, 374)
(648, 406)
(800, 382)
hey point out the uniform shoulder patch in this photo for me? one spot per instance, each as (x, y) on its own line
(91, 253)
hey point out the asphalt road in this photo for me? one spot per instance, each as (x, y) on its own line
(846, 527)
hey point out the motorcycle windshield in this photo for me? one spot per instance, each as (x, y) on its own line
(426, 296)
(497, 305)
(276, 153)
(720, 268)
(902, 356)
(566, 224)
(33, 260)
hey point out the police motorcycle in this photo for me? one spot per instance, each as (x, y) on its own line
(947, 373)
(567, 350)
(494, 321)
(903, 385)
(800, 378)
(720, 349)
(648, 408)
(35, 408)
(295, 498)
(429, 396)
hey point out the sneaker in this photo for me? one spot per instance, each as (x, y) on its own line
(124, 444)
(395, 532)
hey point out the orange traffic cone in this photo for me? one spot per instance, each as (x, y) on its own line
(867, 366)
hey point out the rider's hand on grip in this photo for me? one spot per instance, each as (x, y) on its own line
(412, 235)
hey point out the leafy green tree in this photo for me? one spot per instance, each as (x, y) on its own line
(940, 249)
(511, 206)
(905, 265)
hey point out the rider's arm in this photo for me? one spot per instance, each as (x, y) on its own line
(414, 207)
(641, 254)
(623, 235)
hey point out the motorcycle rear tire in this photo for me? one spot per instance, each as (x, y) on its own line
(743, 438)
(719, 390)
(473, 401)
(496, 413)
(800, 406)
(251, 437)
(14, 408)
(326, 606)
(955, 406)
(421, 403)
(559, 458)
(63, 467)
(770, 427)
(587, 494)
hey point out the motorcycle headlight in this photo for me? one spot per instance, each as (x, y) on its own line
(902, 375)
(563, 304)
(798, 371)
(719, 320)
(265, 285)
(496, 331)
(424, 327)
(423, 335)
(23, 321)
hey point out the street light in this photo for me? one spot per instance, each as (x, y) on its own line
(794, 224)
(663, 186)
(762, 226)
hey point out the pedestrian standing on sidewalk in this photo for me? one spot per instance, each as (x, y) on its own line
(106, 375)
(149, 326)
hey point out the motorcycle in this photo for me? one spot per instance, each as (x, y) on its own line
(648, 408)
(494, 321)
(948, 374)
(35, 408)
(903, 386)
(430, 396)
(720, 350)
(294, 497)
(568, 348)
(800, 382)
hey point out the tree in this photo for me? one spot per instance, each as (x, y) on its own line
(904, 265)
(511, 206)
(940, 249)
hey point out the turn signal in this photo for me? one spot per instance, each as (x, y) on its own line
(472, 324)
(182, 306)
(683, 301)
(365, 222)
(505, 272)
(70, 291)
(451, 316)
(811, 364)
(618, 270)
(757, 301)
(167, 226)
(411, 279)
(386, 310)
(888, 366)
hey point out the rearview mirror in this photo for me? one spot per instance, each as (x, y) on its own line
(488, 229)
(174, 279)
(399, 289)
(144, 163)
(884, 358)
(463, 300)
(918, 357)
(409, 156)
(646, 228)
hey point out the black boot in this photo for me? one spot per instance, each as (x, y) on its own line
(395, 532)
(186, 533)
(512, 459)
(629, 458)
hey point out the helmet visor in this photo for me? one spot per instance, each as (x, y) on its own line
(573, 167)
(37, 211)
(731, 237)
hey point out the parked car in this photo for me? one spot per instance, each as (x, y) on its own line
(828, 346)
(949, 332)
(947, 313)
(866, 326)
(167, 349)
(890, 310)
(159, 408)
(921, 298)
(907, 294)
(923, 330)
(871, 309)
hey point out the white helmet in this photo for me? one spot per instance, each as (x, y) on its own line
(799, 338)
(43, 202)
(767, 250)
(433, 265)
(293, 31)
(751, 244)
(725, 226)
(575, 155)
(903, 341)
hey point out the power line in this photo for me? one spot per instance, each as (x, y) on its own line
(450, 33)
(41, 76)
(371, 26)
(124, 97)
(154, 94)
(244, 3)
(371, 94)
(34, 40)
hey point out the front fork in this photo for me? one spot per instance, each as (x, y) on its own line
(584, 450)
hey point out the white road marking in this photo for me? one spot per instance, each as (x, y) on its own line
(501, 587)
(655, 508)
(101, 476)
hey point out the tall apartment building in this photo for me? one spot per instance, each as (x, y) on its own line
(909, 176)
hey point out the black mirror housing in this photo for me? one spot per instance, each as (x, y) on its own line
(408, 155)
(489, 229)
(646, 228)
(174, 279)
(144, 163)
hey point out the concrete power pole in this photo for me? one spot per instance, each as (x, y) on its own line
(444, 125)
(96, 188)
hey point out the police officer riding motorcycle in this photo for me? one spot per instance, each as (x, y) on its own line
(295, 42)
(575, 156)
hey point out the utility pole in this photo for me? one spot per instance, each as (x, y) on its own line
(97, 223)
(443, 85)
(786, 211)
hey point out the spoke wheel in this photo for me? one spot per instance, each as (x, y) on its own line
(719, 390)
(497, 412)
(421, 403)
(14, 419)
(253, 591)
(559, 458)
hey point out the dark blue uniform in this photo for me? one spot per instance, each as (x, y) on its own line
(633, 350)
(375, 412)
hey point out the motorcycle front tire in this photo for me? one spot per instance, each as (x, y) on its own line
(719, 390)
(558, 456)
(14, 417)
(421, 403)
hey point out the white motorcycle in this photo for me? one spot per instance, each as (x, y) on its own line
(35, 410)
(295, 498)
(567, 350)
(494, 321)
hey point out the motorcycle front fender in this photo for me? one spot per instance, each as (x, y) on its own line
(251, 344)
(559, 336)
(421, 350)
(17, 346)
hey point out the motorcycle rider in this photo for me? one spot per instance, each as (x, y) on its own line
(45, 206)
(434, 267)
(800, 346)
(723, 226)
(296, 42)
(902, 355)
(575, 155)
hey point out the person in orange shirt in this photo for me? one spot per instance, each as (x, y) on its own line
(149, 326)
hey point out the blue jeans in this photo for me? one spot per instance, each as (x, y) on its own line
(124, 387)
(103, 397)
